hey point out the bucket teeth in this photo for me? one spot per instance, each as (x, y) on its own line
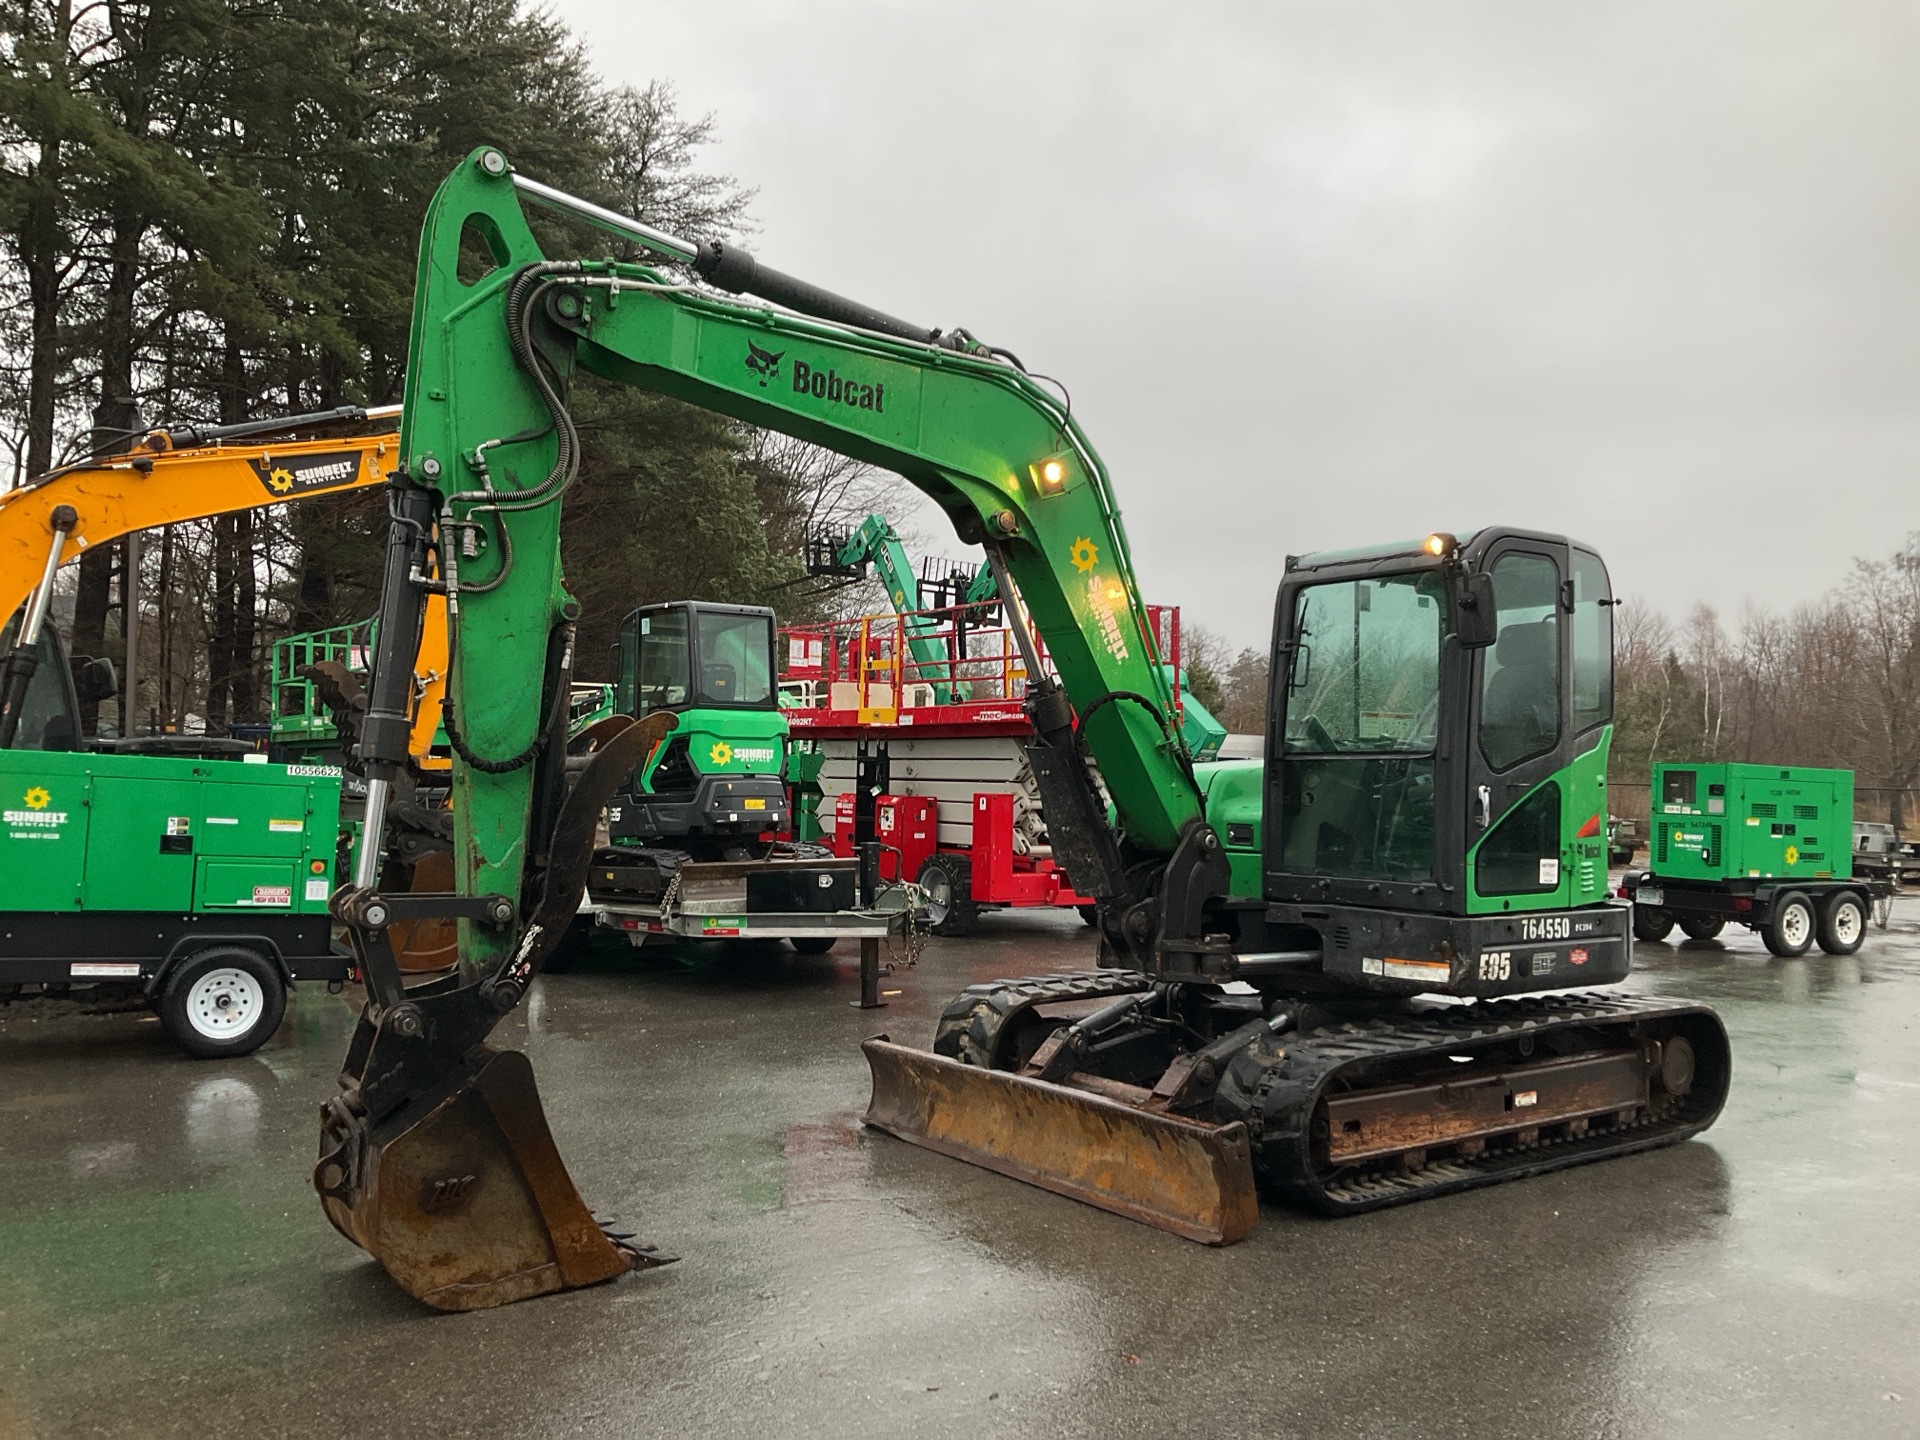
(463, 1197)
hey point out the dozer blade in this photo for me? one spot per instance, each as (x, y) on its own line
(1182, 1175)
(462, 1196)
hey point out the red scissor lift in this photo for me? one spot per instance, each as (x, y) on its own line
(943, 723)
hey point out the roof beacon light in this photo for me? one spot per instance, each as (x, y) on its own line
(1440, 543)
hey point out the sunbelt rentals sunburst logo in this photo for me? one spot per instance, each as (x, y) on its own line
(35, 818)
(724, 754)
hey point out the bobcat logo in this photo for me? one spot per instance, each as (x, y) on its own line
(764, 363)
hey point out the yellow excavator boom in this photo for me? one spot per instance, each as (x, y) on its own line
(56, 518)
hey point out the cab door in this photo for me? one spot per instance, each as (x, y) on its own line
(1521, 737)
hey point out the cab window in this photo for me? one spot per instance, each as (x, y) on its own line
(1520, 688)
(1592, 643)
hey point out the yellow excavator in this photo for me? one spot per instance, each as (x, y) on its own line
(170, 475)
(1427, 825)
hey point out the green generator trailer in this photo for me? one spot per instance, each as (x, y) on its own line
(1766, 846)
(198, 883)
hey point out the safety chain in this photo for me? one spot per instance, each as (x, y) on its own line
(669, 895)
(913, 939)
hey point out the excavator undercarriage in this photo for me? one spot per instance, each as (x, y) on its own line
(1174, 1104)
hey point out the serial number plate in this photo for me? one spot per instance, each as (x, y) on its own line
(1649, 895)
(1546, 927)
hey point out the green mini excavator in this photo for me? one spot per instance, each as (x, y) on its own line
(1430, 820)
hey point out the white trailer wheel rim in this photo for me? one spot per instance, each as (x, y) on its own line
(1796, 925)
(1848, 922)
(225, 1003)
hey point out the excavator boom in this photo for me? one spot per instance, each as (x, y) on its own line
(156, 484)
(167, 477)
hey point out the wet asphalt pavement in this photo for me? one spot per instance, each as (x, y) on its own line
(165, 1269)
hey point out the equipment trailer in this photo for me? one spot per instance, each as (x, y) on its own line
(1743, 843)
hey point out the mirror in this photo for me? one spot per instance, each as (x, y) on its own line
(95, 679)
(1475, 622)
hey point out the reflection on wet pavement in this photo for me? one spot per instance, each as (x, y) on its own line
(167, 1269)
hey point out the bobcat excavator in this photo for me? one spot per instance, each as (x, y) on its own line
(1365, 1031)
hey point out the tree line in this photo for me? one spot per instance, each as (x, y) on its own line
(209, 211)
(1832, 683)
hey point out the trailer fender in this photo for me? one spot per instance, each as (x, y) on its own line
(187, 946)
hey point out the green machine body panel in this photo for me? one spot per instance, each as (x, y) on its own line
(1235, 793)
(1202, 734)
(1730, 822)
(1575, 874)
(96, 832)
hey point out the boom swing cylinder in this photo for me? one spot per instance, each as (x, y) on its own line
(1233, 1039)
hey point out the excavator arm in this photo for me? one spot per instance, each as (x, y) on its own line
(876, 542)
(488, 450)
(168, 477)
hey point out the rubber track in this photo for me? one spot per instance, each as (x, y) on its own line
(1288, 1086)
(973, 1021)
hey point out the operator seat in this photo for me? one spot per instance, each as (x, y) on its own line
(1520, 713)
(718, 681)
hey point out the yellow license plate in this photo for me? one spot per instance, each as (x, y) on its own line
(756, 802)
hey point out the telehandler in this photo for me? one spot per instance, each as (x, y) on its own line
(1437, 742)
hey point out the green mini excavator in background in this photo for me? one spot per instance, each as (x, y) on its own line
(715, 787)
(1439, 725)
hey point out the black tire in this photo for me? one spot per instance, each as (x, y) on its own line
(1089, 913)
(1703, 927)
(812, 944)
(223, 1002)
(1843, 922)
(1650, 924)
(1791, 927)
(948, 880)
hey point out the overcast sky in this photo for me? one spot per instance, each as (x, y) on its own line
(1325, 274)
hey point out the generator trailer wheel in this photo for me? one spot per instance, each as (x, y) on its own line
(222, 1002)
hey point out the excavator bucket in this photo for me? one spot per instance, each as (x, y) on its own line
(462, 1195)
(1182, 1175)
(435, 1157)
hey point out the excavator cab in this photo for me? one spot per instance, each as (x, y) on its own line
(49, 704)
(717, 783)
(1442, 712)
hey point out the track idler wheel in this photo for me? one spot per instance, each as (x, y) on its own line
(462, 1196)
